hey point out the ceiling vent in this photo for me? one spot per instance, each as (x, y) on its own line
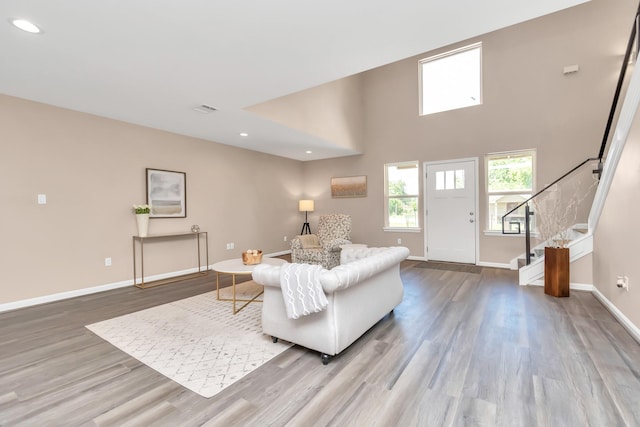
(205, 109)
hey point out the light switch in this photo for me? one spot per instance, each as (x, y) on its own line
(42, 199)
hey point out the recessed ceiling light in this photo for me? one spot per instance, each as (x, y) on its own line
(25, 25)
(309, 152)
(244, 134)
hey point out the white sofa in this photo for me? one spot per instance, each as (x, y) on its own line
(360, 291)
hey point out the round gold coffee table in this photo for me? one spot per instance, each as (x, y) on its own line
(236, 267)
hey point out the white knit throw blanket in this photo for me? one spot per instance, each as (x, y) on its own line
(301, 289)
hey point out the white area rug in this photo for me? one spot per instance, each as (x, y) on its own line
(197, 342)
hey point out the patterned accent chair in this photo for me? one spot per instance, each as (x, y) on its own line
(323, 248)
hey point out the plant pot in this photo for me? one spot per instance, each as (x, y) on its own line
(556, 272)
(143, 224)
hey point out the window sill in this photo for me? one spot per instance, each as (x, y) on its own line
(403, 230)
(499, 234)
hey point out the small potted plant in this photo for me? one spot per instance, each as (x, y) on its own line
(142, 218)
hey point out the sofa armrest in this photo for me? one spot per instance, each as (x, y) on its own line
(334, 244)
(267, 275)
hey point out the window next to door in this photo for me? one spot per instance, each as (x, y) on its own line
(401, 193)
(510, 178)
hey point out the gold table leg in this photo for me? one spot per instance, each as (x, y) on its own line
(233, 293)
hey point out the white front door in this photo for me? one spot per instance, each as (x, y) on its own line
(451, 210)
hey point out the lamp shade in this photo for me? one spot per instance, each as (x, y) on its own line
(305, 205)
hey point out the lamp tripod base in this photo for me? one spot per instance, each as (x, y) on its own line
(305, 228)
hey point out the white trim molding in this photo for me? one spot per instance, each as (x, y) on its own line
(494, 265)
(627, 324)
(101, 288)
(63, 295)
(573, 286)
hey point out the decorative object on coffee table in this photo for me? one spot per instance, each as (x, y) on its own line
(252, 257)
(305, 206)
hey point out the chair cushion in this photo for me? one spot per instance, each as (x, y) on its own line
(309, 241)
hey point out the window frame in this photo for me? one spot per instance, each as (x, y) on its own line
(387, 197)
(444, 55)
(489, 194)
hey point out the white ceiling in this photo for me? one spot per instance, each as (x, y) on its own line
(150, 62)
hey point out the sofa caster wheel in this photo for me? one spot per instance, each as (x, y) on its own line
(325, 358)
(274, 339)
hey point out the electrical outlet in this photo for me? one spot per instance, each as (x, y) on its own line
(231, 246)
(284, 239)
(42, 199)
(107, 262)
(399, 241)
(622, 282)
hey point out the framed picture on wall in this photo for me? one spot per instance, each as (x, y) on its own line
(349, 186)
(167, 193)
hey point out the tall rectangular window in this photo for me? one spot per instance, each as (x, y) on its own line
(510, 181)
(401, 190)
(451, 80)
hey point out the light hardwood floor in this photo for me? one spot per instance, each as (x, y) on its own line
(462, 349)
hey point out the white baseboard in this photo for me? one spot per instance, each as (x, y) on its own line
(633, 330)
(494, 265)
(86, 291)
(479, 264)
(63, 295)
(100, 288)
(582, 287)
(575, 286)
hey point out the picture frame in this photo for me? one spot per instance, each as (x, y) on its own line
(349, 186)
(166, 193)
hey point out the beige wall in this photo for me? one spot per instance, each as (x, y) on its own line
(616, 249)
(332, 111)
(93, 170)
(528, 103)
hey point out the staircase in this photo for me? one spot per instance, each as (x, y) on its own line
(559, 212)
(586, 204)
(581, 244)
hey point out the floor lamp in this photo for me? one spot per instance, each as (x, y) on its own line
(305, 206)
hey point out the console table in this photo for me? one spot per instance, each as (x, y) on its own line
(142, 240)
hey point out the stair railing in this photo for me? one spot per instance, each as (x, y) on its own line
(558, 206)
(515, 226)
